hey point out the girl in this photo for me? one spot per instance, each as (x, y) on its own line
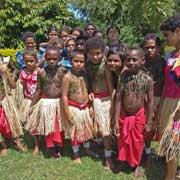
(76, 32)
(154, 64)
(69, 47)
(10, 126)
(169, 112)
(28, 79)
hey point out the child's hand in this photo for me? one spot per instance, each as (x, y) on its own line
(91, 112)
(91, 97)
(3, 69)
(116, 129)
(70, 118)
(148, 126)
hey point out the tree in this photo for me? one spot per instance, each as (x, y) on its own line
(18, 16)
(137, 17)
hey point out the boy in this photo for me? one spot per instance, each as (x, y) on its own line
(101, 89)
(134, 86)
(45, 117)
(79, 125)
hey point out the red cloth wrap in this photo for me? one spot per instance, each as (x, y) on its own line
(78, 105)
(131, 139)
(56, 137)
(4, 125)
(101, 95)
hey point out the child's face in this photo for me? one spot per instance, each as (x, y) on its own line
(71, 45)
(151, 49)
(95, 55)
(64, 35)
(99, 35)
(52, 58)
(30, 62)
(52, 35)
(114, 62)
(90, 30)
(172, 38)
(134, 61)
(75, 34)
(113, 34)
(29, 43)
(78, 62)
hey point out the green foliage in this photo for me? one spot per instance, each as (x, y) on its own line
(135, 17)
(19, 16)
(9, 52)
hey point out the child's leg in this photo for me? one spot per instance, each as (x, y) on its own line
(148, 152)
(108, 151)
(19, 145)
(171, 169)
(3, 151)
(75, 149)
(88, 151)
(36, 145)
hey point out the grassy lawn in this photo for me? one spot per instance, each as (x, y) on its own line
(20, 166)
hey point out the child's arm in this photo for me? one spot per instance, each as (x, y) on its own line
(150, 102)
(36, 95)
(65, 89)
(10, 80)
(109, 80)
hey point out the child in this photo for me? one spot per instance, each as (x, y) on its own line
(28, 79)
(10, 126)
(101, 91)
(79, 125)
(133, 88)
(69, 47)
(65, 33)
(171, 96)
(89, 30)
(29, 42)
(76, 32)
(45, 115)
(154, 64)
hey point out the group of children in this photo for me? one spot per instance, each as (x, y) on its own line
(80, 89)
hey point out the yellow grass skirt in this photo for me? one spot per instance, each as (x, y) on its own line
(102, 116)
(82, 129)
(43, 115)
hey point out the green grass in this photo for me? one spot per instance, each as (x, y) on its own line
(21, 166)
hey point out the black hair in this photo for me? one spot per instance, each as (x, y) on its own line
(52, 28)
(154, 37)
(171, 23)
(78, 29)
(94, 43)
(30, 52)
(75, 52)
(90, 24)
(66, 29)
(112, 26)
(121, 54)
(98, 31)
(137, 48)
(55, 48)
(70, 39)
(28, 34)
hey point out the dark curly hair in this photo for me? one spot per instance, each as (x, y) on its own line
(152, 36)
(28, 34)
(94, 43)
(171, 23)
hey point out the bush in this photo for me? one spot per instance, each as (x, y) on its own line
(9, 52)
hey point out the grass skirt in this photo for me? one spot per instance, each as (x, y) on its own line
(167, 112)
(102, 116)
(12, 115)
(82, 129)
(43, 116)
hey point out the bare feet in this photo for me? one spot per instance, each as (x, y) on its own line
(3, 152)
(36, 150)
(77, 158)
(108, 163)
(21, 147)
(91, 153)
(138, 173)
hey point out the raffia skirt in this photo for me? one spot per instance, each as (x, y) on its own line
(42, 117)
(82, 129)
(102, 123)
